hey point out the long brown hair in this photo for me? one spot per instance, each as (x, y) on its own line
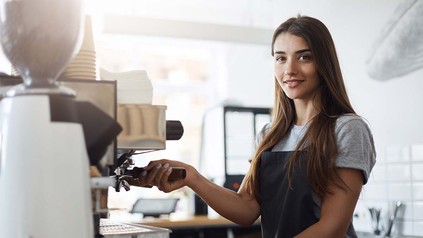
(319, 141)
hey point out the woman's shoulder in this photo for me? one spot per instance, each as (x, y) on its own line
(351, 121)
(353, 127)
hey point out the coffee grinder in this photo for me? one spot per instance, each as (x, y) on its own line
(47, 139)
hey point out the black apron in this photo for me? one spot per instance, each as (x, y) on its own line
(285, 212)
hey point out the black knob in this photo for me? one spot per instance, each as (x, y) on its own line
(174, 130)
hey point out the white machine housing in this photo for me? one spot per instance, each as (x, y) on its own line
(44, 170)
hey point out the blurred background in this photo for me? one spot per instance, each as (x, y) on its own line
(201, 54)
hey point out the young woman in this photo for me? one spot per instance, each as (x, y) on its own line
(311, 161)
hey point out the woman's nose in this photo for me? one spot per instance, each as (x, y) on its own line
(290, 68)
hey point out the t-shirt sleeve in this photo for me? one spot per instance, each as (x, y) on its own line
(355, 146)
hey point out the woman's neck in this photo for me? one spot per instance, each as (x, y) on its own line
(305, 111)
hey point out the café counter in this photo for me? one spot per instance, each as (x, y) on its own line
(194, 227)
(204, 226)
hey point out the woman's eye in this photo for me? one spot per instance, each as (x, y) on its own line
(304, 57)
(280, 59)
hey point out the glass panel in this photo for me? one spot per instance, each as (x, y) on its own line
(239, 141)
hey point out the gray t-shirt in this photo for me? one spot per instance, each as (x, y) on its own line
(355, 149)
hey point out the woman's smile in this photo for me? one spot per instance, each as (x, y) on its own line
(293, 83)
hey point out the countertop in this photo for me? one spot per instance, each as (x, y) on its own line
(116, 229)
(190, 221)
(362, 234)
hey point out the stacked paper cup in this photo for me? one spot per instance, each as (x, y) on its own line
(83, 66)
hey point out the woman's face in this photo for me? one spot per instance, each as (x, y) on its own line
(295, 67)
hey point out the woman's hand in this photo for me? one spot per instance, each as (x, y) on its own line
(157, 173)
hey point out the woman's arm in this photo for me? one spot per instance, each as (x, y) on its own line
(240, 207)
(337, 208)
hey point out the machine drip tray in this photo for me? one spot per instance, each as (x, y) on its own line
(112, 229)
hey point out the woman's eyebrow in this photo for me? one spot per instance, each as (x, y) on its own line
(280, 52)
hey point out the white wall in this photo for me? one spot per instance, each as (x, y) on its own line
(250, 75)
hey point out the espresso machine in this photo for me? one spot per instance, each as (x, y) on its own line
(47, 138)
(53, 134)
(144, 129)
